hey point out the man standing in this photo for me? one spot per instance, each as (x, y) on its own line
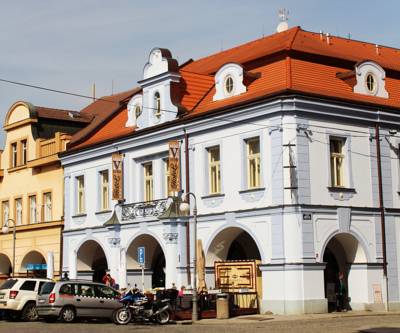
(341, 296)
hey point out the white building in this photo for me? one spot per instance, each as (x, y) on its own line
(282, 157)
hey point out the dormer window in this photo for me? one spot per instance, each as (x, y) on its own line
(229, 85)
(138, 111)
(369, 79)
(157, 104)
(370, 82)
(229, 81)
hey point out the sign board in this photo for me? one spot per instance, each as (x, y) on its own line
(174, 183)
(117, 193)
(36, 267)
(141, 255)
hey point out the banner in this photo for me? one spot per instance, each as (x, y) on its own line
(174, 183)
(117, 193)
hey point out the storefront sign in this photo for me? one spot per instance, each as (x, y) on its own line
(36, 267)
(236, 276)
(117, 193)
(174, 184)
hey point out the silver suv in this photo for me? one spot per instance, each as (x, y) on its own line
(18, 297)
(67, 300)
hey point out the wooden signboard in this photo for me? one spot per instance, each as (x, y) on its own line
(117, 193)
(234, 276)
(174, 184)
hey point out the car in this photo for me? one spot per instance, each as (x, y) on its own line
(72, 299)
(18, 298)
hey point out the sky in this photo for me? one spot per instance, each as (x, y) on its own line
(69, 45)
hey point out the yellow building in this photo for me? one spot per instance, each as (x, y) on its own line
(31, 188)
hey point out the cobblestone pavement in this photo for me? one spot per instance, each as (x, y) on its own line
(380, 323)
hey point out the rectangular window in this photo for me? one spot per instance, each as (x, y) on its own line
(148, 181)
(253, 163)
(14, 155)
(214, 172)
(80, 195)
(337, 161)
(47, 205)
(167, 178)
(32, 209)
(5, 211)
(104, 196)
(18, 211)
(24, 152)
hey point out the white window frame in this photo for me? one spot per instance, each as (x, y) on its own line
(18, 209)
(257, 158)
(47, 208)
(104, 203)
(217, 166)
(5, 211)
(32, 209)
(80, 207)
(24, 151)
(148, 196)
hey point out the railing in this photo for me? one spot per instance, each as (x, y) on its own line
(52, 146)
(152, 208)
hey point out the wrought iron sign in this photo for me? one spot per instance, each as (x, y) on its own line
(153, 208)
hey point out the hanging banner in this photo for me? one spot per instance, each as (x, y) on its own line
(117, 193)
(174, 183)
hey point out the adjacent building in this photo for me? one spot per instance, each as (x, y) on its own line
(290, 144)
(31, 188)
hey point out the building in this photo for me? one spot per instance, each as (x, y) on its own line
(31, 188)
(280, 142)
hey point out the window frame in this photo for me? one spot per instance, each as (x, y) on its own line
(80, 206)
(23, 152)
(3, 220)
(251, 157)
(157, 104)
(150, 178)
(18, 199)
(102, 187)
(13, 154)
(44, 192)
(30, 195)
(210, 166)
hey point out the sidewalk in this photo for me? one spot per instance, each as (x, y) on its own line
(251, 319)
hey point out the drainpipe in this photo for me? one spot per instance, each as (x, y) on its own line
(382, 211)
(187, 189)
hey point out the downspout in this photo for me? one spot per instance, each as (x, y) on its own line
(187, 189)
(382, 211)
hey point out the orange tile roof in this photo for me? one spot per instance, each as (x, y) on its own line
(292, 61)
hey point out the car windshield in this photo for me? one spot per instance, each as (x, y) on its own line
(47, 288)
(8, 284)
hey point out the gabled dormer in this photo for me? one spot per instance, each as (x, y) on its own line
(160, 91)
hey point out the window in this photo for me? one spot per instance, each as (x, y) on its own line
(157, 104)
(228, 85)
(370, 83)
(86, 290)
(148, 181)
(253, 163)
(214, 172)
(24, 152)
(104, 196)
(80, 186)
(5, 211)
(14, 155)
(32, 209)
(337, 161)
(18, 211)
(28, 285)
(105, 292)
(138, 111)
(47, 207)
(68, 289)
(167, 178)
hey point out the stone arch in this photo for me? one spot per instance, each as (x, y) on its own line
(221, 242)
(35, 258)
(5, 265)
(91, 260)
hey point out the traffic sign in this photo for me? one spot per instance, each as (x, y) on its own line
(141, 255)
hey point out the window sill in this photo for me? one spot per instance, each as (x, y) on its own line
(251, 190)
(103, 212)
(17, 168)
(341, 189)
(213, 196)
(79, 215)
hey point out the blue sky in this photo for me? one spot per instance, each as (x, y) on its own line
(68, 45)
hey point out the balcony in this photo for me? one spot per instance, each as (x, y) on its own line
(47, 150)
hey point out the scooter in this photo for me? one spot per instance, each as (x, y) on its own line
(137, 307)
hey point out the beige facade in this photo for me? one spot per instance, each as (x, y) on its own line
(31, 188)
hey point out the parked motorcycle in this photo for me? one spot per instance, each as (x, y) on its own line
(137, 307)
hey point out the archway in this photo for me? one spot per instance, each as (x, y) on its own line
(91, 261)
(5, 266)
(34, 265)
(341, 253)
(154, 265)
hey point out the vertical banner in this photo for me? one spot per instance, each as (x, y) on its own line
(117, 193)
(174, 184)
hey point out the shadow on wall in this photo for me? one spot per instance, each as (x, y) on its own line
(381, 330)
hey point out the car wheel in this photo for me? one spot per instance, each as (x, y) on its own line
(67, 314)
(122, 316)
(29, 312)
(163, 317)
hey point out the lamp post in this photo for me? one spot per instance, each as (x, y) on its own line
(185, 208)
(5, 231)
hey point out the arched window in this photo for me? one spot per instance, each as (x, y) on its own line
(157, 104)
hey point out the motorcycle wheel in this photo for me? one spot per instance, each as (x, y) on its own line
(163, 317)
(122, 316)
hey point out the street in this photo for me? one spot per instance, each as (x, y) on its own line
(379, 323)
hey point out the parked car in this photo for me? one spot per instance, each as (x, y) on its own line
(18, 297)
(68, 300)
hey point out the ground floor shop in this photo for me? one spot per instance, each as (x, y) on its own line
(300, 255)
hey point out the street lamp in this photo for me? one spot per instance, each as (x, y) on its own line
(184, 207)
(5, 231)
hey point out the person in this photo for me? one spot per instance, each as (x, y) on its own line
(341, 295)
(173, 286)
(181, 291)
(108, 280)
(65, 277)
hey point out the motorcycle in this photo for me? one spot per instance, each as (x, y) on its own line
(137, 307)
